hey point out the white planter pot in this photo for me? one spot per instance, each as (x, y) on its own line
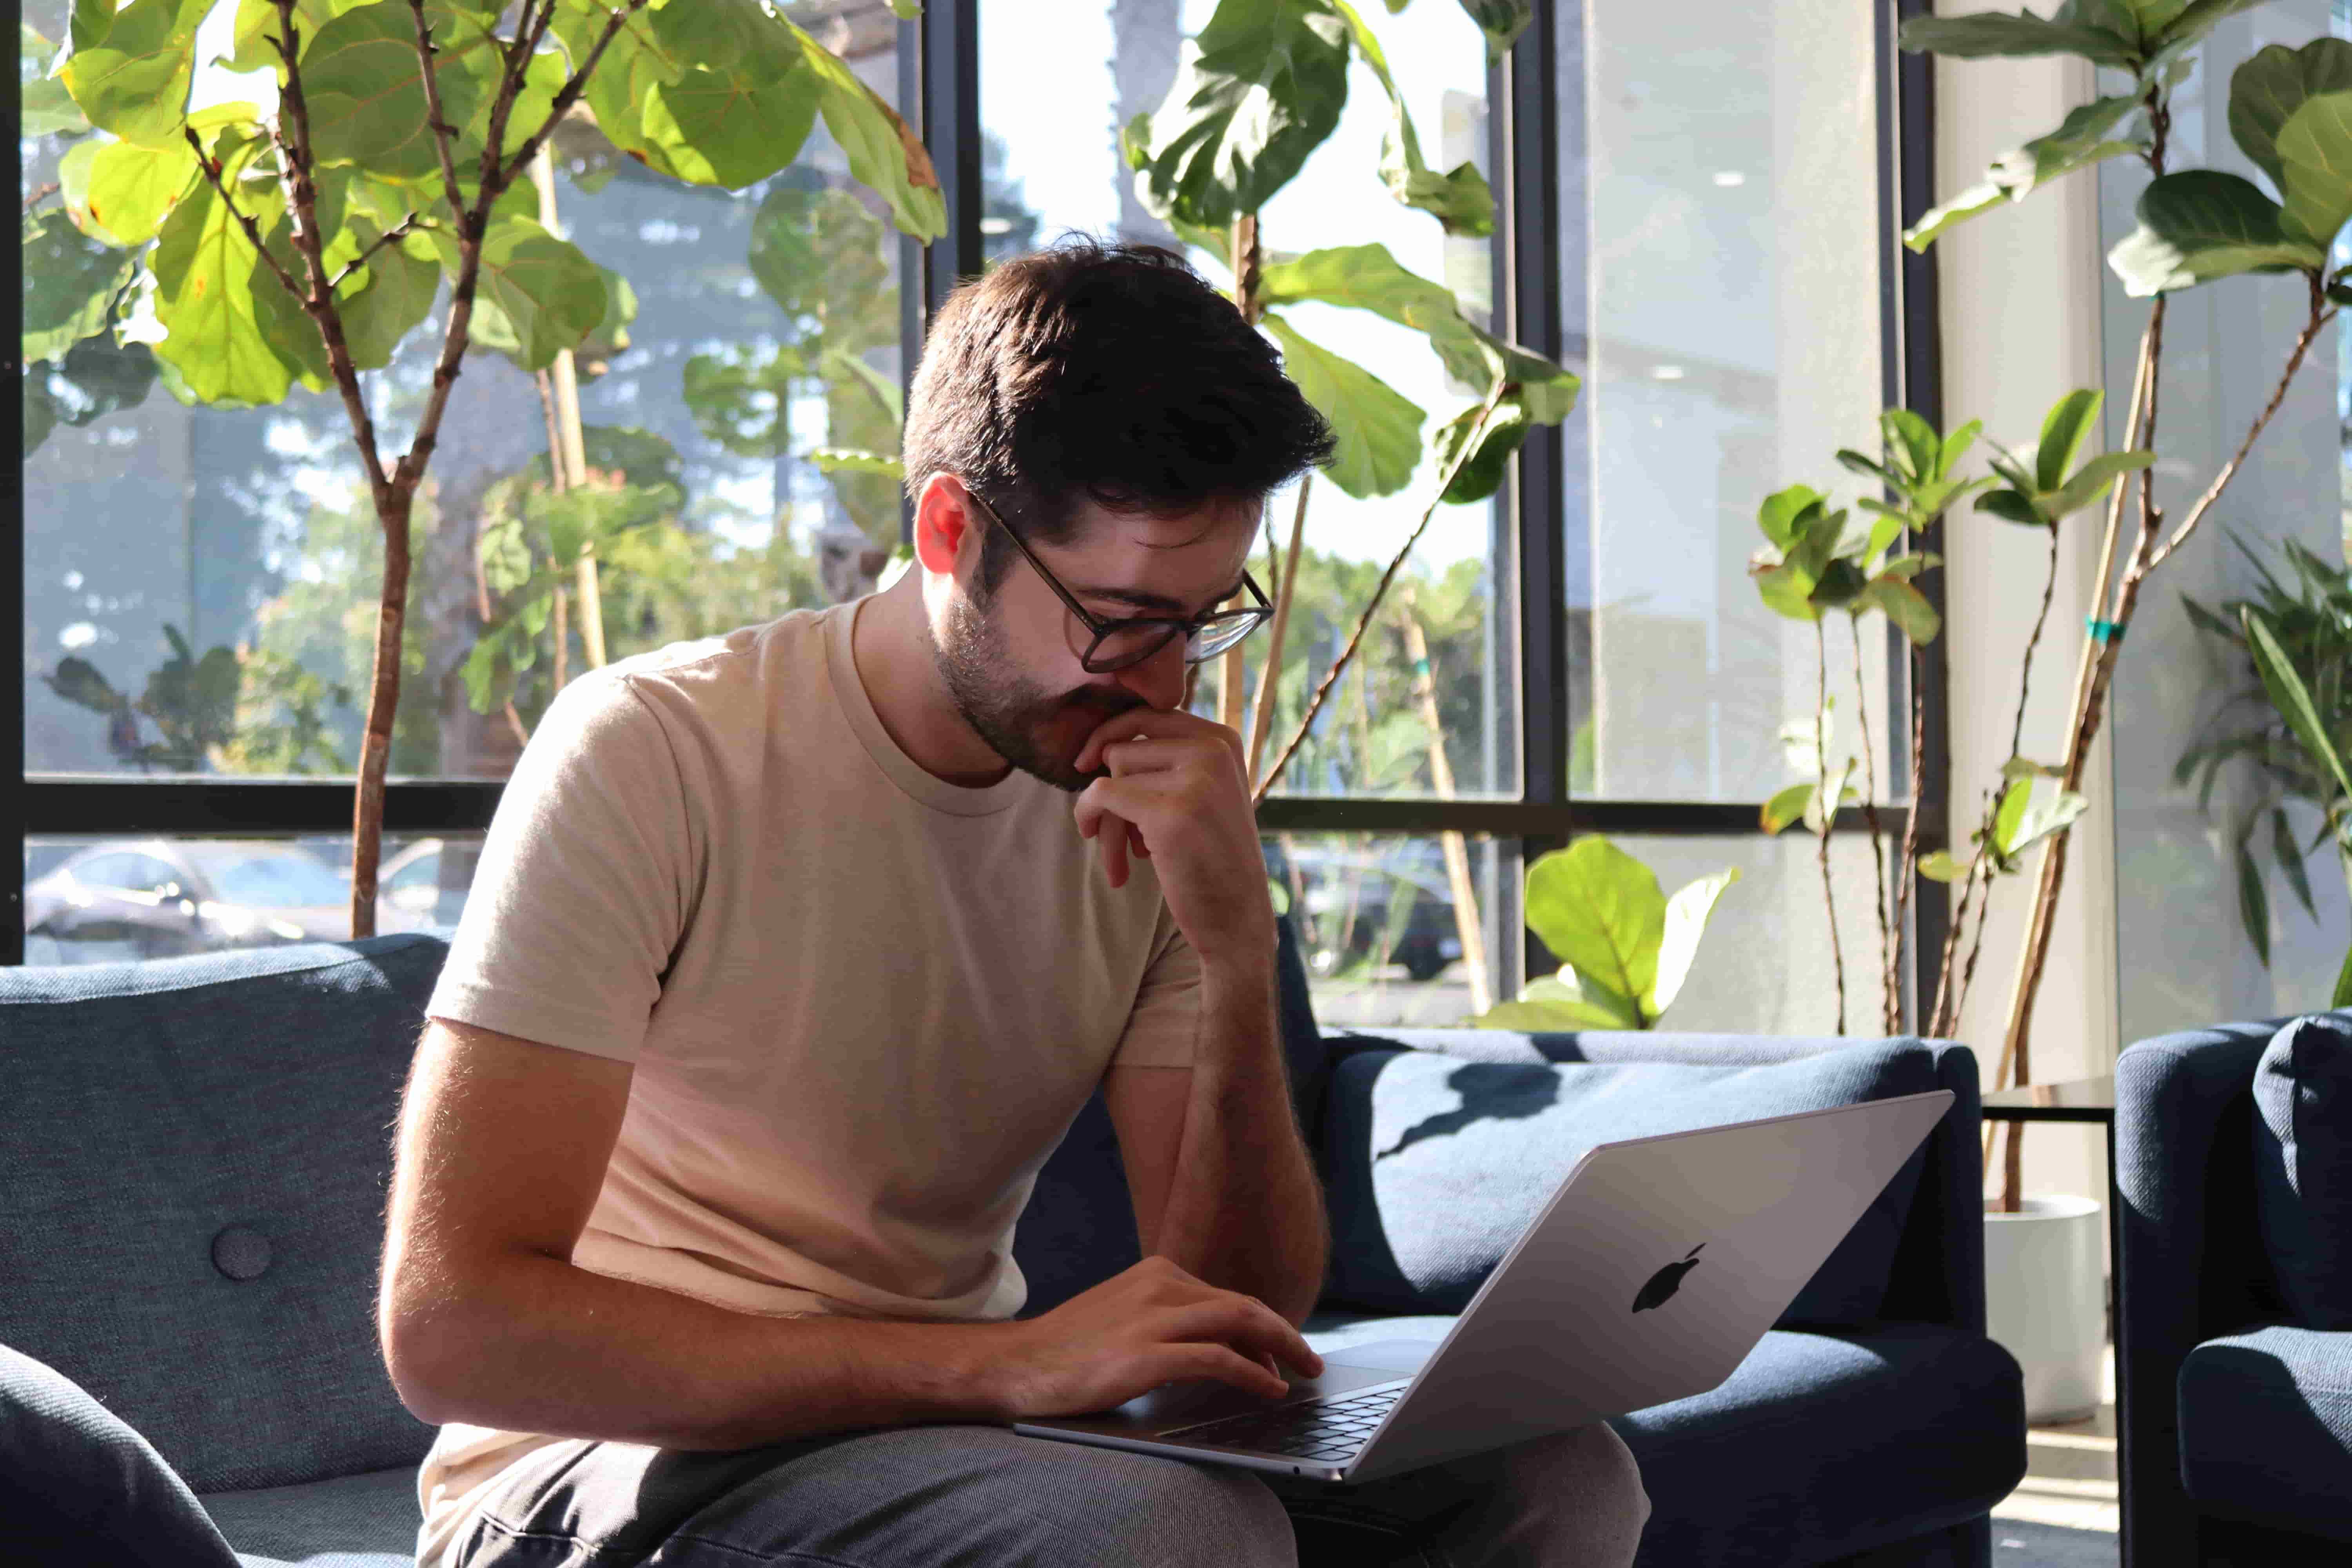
(2046, 1301)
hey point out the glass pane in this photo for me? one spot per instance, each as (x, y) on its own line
(1765, 966)
(1394, 931)
(1719, 282)
(200, 583)
(96, 900)
(1112, 59)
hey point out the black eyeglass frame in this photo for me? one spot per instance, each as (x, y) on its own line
(1255, 615)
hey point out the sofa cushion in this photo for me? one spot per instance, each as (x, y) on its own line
(1812, 1449)
(191, 1227)
(2303, 1166)
(78, 1486)
(2266, 1429)
(352, 1521)
(1436, 1165)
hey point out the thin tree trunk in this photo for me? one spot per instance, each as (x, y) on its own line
(1468, 923)
(1269, 684)
(1829, 808)
(1890, 996)
(384, 701)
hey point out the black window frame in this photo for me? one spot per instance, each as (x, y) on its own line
(938, 92)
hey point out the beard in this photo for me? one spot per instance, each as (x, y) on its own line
(1008, 709)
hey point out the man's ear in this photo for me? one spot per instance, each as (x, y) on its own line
(945, 526)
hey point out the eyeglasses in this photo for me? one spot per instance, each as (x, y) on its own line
(1117, 645)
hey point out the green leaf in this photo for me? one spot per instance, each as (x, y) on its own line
(1368, 278)
(2200, 225)
(134, 81)
(1687, 916)
(2199, 17)
(1257, 92)
(1783, 514)
(70, 283)
(2012, 506)
(1989, 35)
(844, 460)
(542, 295)
(637, 61)
(402, 280)
(2083, 139)
(1602, 911)
(1938, 866)
(1785, 807)
(2254, 904)
(204, 272)
(2289, 859)
(2062, 429)
(89, 21)
(366, 88)
(1835, 790)
(718, 129)
(2342, 996)
(120, 191)
(884, 154)
(1548, 1017)
(1379, 431)
(2270, 85)
(1501, 20)
(1482, 475)
(44, 108)
(1904, 606)
(2290, 697)
(2009, 817)
(2092, 479)
(1459, 199)
(2315, 147)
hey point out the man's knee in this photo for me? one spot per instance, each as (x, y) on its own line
(1171, 1514)
(1589, 1484)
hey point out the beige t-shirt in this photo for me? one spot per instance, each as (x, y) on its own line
(864, 1004)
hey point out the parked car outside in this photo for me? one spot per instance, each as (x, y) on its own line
(154, 898)
(1389, 906)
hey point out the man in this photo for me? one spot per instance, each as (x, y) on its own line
(787, 963)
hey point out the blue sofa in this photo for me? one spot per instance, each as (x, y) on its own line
(2238, 1449)
(192, 1181)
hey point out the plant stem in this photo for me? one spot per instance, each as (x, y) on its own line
(1269, 684)
(1828, 807)
(1906, 875)
(1339, 665)
(1890, 999)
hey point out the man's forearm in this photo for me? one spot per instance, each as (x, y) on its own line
(536, 1344)
(1244, 1211)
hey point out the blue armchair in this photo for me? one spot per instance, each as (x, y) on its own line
(192, 1175)
(2239, 1450)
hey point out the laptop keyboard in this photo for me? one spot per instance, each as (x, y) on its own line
(1325, 1429)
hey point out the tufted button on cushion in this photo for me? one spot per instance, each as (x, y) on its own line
(241, 1252)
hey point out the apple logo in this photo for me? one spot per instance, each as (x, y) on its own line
(1666, 1281)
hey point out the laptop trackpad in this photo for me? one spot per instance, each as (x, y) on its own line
(1397, 1357)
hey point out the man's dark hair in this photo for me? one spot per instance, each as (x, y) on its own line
(1109, 371)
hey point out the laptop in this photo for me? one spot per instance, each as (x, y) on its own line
(1656, 1266)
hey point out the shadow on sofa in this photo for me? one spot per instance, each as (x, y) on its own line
(191, 1211)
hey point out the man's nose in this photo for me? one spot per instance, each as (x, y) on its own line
(1157, 681)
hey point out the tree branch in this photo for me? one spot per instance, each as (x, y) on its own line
(39, 194)
(1339, 665)
(1828, 807)
(2321, 314)
(569, 94)
(1889, 999)
(392, 235)
(244, 220)
(445, 135)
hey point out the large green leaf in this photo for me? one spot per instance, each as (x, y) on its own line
(1459, 199)
(2201, 223)
(637, 61)
(2266, 90)
(1601, 911)
(69, 282)
(97, 376)
(1379, 430)
(2292, 697)
(1368, 278)
(2062, 429)
(884, 154)
(1904, 606)
(44, 107)
(1481, 474)
(2086, 136)
(1988, 35)
(718, 129)
(2316, 149)
(1501, 20)
(135, 81)
(1687, 916)
(255, 36)
(1254, 95)
(1558, 1003)
(205, 274)
(366, 89)
(119, 191)
(538, 295)
(402, 279)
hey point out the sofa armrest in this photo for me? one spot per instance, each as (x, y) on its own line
(2190, 1263)
(1939, 1269)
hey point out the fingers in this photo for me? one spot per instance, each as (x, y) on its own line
(1158, 725)
(1176, 1362)
(1249, 1326)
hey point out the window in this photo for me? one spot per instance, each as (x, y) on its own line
(1582, 653)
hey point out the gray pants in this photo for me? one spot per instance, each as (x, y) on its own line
(980, 1496)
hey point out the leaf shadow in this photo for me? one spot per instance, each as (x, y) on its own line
(1490, 1091)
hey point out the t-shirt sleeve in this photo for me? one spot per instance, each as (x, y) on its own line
(1164, 1025)
(584, 882)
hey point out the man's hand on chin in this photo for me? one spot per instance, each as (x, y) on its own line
(1175, 793)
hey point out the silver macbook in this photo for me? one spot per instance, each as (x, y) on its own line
(1655, 1269)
